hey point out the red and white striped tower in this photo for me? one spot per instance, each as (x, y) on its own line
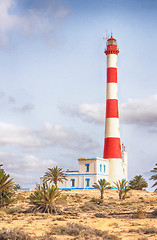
(112, 145)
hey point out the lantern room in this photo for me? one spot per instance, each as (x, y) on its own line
(111, 46)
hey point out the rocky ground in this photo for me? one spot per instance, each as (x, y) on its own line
(82, 216)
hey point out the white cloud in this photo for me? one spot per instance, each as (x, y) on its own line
(7, 20)
(49, 135)
(134, 111)
(26, 169)
(87, 112)
(140, 111)
(68, 138)
(26, 164)
(22, 136)
(41, 21)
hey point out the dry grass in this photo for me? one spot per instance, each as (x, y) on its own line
(82, 211)
(78, 230)
(14, 235)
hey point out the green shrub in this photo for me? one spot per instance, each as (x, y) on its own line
(44, 199)
(6, 189)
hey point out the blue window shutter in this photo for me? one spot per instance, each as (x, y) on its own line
(100, 167)
(87, 182)
(72, 182)
(87, 167)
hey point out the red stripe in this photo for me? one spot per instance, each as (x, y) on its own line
(112, 148)
(112, 108)
(111, 75)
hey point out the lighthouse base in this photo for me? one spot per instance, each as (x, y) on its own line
(115, 170)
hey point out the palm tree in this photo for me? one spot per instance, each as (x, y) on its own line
(55, 175)
(154, 177)
(17, 186)
(6, 188)
(138, 183)
(122, 188)
(102, 185)
(44, 199)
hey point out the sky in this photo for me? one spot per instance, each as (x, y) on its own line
(53, 83)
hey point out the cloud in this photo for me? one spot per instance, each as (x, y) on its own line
(11, 134)
(140, 111)
(25, 108)
(26, 169)
(11, 100)
(134, 111)
(87, 112)
(40, 19)
(7, 20)
(28, 163)
(67, 138)
(2, 94)
(50, 135)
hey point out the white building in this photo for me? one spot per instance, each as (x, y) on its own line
(90, 171)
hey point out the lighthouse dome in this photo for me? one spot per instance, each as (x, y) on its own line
(111, 41)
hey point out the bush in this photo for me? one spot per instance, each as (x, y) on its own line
(79, 230)
(142, 238)
(89, 207)
(141, 214)
(100, 215)
(14, 235)
(44, 199)
(96, 200)
(154, 213)
(151, 230)
(6, 189)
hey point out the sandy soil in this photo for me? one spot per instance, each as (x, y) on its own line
(123, 218)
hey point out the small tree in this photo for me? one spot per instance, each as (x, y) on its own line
(122, 187)
(55, 175)
(6, 188)
(138, 183)
(102, 185)
(154, 177)
(43, 199)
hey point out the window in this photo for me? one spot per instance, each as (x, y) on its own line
(111, 42)
(72, 182)
(87, 182)
(104, 168)
(100, 167)
(87, 167)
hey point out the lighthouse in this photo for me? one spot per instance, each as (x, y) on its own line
(113, 165)
(112, 143)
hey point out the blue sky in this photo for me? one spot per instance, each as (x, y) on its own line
(53, 76)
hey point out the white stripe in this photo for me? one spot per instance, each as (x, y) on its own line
(115, 170)
(111, 91)
(112, 127)
(112, 60)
